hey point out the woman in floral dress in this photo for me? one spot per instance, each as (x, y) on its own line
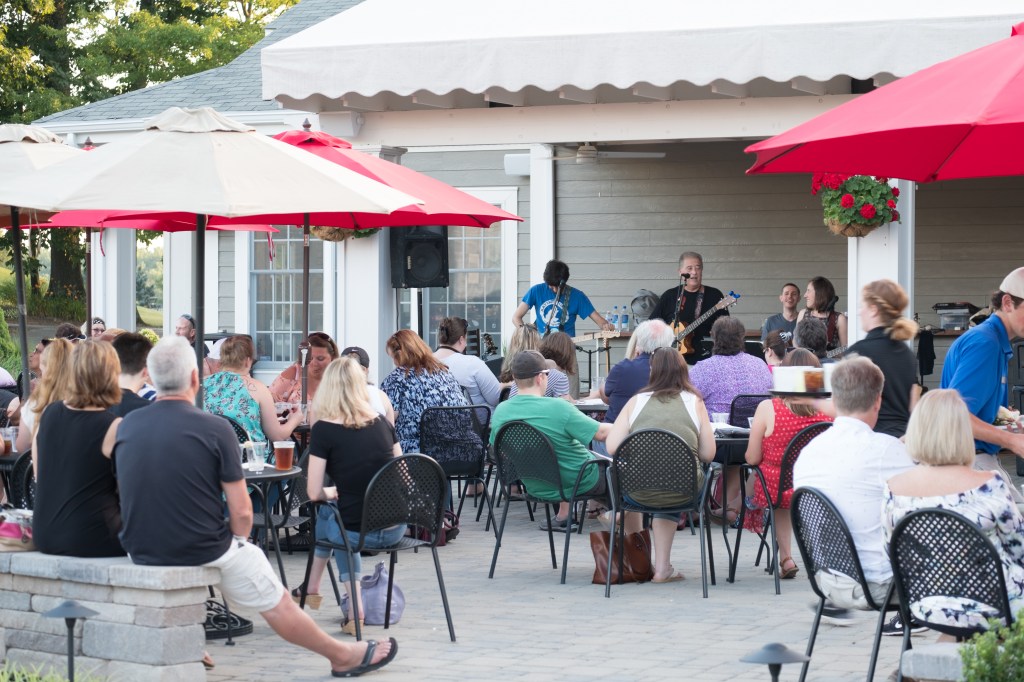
(775, 423)
(418, 381)
(939, 439)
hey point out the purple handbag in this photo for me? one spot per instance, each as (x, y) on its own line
(375, 596)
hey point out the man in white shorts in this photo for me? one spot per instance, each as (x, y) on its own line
(174, 463)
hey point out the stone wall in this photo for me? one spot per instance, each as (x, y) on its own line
(149, 626)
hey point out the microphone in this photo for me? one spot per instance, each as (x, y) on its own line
(561, 283)
(684, 275)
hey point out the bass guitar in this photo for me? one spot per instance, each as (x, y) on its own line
(683, 341)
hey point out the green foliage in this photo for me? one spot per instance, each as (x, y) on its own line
(855, 199)
(39, 304)
(10, 356)
(996, 655)
(16, 673)
(149, 278)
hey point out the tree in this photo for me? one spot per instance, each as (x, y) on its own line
(58, 54)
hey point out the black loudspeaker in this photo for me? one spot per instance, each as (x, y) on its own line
(419, 256)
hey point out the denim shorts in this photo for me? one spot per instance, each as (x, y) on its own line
(668, 517)
(327, 529)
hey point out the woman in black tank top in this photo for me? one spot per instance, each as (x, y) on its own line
(77, 511)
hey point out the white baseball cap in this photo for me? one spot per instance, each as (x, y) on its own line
(1014, 283)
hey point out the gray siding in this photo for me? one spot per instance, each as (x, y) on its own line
(226, 281)
(481, 169)
(621, 225)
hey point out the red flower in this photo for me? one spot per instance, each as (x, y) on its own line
(882, 179)
(891, 203)
(895, 216)
(868, 211)
(895, 191)
(847, 201)
(833, 180)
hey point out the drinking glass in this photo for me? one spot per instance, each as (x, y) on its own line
(10, 436)
(258, 458)
(284, 454)
(282, 410)
(720, 417)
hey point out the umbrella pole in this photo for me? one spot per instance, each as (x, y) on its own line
(199, 301)
(19, 288)
(88, 281)
(305, 299)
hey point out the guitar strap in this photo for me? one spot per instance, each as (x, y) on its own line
(562, 316)
(682, 303)
(832, 331)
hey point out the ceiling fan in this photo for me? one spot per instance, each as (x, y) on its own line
(588, 153)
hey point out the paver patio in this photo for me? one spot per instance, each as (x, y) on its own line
(524, 625)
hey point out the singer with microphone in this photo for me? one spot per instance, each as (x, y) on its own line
(683, 304)
(821, 300)
(556, 304)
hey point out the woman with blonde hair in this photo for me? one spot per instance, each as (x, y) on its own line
(55, 366)
(776, 421)
(881, 316)
(527, 338)
(418, 381)
(77, 511)
(939, 439)
(350, 442)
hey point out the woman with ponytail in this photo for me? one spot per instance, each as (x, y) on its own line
(881, 316)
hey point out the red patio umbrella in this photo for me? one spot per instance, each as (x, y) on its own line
(961, 118)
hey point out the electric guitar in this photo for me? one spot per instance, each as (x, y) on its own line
(683, 341)
(836, 352)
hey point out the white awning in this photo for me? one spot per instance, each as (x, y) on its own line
(411, 54)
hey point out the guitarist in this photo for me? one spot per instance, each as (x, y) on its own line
(557, 304)
(683, 304)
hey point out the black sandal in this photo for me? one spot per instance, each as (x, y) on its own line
(366, 666)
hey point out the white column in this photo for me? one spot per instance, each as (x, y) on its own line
(113, 277)
(542, 209)
(366, 300)
(888, 253)
(177, 277)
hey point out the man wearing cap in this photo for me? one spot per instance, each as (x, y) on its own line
(976, 366)
(568, 429)
(378, 399)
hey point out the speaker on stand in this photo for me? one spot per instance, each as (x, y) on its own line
(419, 260)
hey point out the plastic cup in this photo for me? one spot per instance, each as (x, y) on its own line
(258, 458)
(282, 410)
(720, 417)
(750, 422)
(10, 436)
(304, 407)
(284, 454)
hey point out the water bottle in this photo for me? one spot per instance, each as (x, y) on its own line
(624, 319)
(614, 319)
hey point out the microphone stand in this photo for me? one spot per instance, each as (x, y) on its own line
(679, 303)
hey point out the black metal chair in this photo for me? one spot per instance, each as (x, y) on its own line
(240, 431)
(23, 482)
(504, 394)
(743, 408)
(656, 460)
(525, 454)
(293, 508)
(407, 490)
(456, 438)
(789, 457)
(825, 544)
(937, 552)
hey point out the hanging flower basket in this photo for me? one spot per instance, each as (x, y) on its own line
(340, 234)
(855, 205)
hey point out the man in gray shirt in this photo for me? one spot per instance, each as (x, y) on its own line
(786, 320)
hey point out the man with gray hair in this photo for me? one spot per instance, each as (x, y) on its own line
(626, 378)
(176, 465)
(850, 464)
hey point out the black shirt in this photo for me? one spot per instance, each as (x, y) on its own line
(666, 311)
(899, 366)
(76, 509)
(353, 457)
(171, 461)
(130, 401)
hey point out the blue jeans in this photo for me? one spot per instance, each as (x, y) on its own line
(327, 529)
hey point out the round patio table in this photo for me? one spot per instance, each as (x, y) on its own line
(261, 482)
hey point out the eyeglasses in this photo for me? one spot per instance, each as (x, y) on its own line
(191, 320)
(322, 336)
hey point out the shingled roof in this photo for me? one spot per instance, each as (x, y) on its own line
(234, 87)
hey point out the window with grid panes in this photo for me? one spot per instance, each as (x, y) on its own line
(276, 315)
(474, 291)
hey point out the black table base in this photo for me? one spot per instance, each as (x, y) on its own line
(223, 624)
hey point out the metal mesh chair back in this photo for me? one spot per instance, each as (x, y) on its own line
(525, 454)
(407, 490)
(454, 437)
(655, 460)
(240, 432)
(824, 539)
(743, 408)
(937, 552)
(23, 482)
(793, 450)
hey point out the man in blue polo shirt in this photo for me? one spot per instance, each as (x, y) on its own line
(976, 366)
(556, 304)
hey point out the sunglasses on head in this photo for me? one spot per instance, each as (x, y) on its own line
(191, 320)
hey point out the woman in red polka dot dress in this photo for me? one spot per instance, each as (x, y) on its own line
(775, 423)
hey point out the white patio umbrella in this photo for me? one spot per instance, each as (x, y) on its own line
(23, 150)
(200, 162)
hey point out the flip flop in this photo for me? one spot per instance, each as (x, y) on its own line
(366, 666)
(674, 578)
